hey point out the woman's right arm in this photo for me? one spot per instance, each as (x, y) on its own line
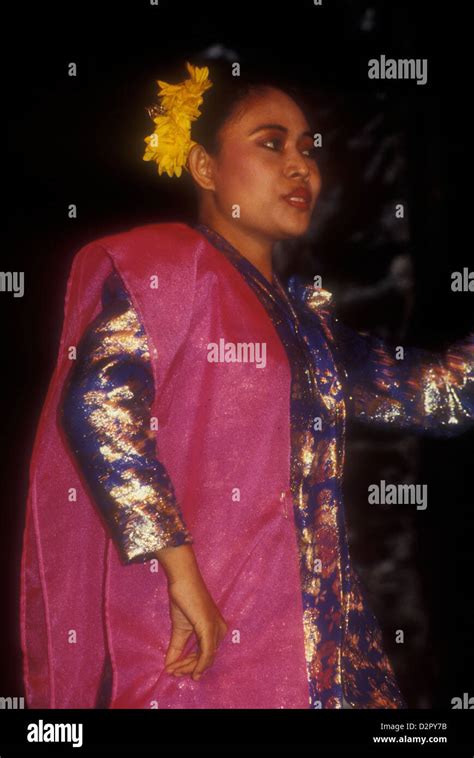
(105, 414)
(106, 417)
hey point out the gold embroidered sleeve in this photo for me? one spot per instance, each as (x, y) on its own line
(408, 387)
(105, 413)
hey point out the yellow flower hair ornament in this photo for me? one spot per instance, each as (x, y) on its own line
(171, 141)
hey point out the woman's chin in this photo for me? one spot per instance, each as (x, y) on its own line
(294, 227)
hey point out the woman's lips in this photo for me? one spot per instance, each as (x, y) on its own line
(297, 202)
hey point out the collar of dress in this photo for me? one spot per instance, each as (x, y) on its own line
(298, 291)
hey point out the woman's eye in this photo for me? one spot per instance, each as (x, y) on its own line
(310, 152)
(273, 141)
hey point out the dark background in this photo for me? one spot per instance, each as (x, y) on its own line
(80, 140)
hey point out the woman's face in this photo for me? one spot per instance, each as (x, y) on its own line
(267, 156)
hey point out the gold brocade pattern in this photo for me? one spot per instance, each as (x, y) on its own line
(106, 416)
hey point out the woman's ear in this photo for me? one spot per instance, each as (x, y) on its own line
(201, 167)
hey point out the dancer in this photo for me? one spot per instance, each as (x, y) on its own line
(185, 543)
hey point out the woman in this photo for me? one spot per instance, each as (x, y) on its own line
(185, 543)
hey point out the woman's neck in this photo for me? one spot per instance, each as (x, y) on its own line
(257, 251)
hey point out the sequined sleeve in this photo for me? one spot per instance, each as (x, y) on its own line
(105, 413)
(410, 388)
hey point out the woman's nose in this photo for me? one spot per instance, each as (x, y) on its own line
(297, 166)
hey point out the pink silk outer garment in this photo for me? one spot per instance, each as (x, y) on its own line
(221, 427)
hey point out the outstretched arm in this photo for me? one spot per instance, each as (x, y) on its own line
(408, 388)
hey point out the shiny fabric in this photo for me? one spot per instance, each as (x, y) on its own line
(415, 390)
(106, 413)
(420, 392)
(232, 437)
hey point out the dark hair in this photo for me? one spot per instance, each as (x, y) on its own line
(229, 92)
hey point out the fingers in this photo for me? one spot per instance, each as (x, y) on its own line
(182, 663)
(183, 666)
(178, 640)
(207, 651)
(195, 663)
(190, 663)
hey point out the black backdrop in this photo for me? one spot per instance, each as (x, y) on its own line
(80, 140)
